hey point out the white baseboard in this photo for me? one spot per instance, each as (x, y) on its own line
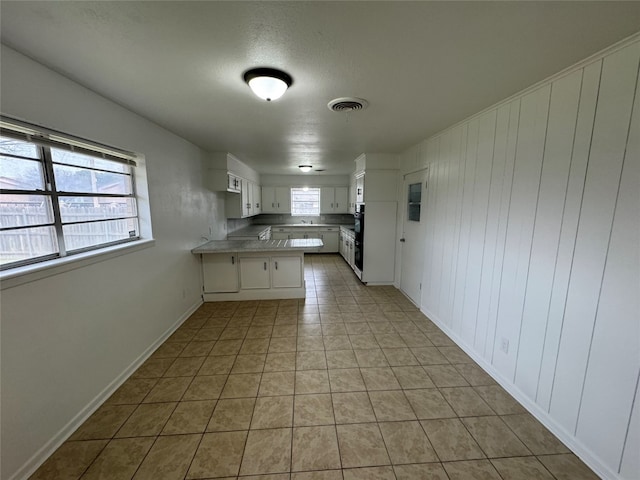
(583, 452)
(65, 432)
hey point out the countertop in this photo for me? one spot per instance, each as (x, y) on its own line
(232, 246)
(310, 225)
(256, 230)
(250, 231)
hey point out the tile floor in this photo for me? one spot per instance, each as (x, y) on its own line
(351, 383)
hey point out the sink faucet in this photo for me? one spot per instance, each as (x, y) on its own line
(303, 221)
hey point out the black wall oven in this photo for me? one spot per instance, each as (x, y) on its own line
(359, 237)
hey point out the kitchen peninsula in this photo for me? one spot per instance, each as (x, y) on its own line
(254, 269)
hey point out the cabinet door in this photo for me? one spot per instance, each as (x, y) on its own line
(233, 183)
(220, 272)
(269, 200)
(360, 189)
(254, 272)
(257, 199)
(341, 200)
(330, 241)
(352, 195)
(283, 199)
(279, 233)
(247, 195)
(286, 272)
(352, 253)
(327, 201)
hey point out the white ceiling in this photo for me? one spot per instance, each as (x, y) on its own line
(422, 65)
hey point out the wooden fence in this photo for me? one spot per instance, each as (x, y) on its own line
(26, 243)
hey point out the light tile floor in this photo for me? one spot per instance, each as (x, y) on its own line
(351, 383)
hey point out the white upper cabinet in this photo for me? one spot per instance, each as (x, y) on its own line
(342, 200)
(334, 200)
(225, 173)
(352, 194)
(360, 188)
(257, 199)
(243, 204)
(247, 198)
(276, 200)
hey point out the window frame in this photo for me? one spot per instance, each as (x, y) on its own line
(293, 190)
(45, 140)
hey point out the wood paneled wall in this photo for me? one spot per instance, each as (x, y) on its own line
(531, 254)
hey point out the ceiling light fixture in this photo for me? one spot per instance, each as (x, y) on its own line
(305, 168)
(268, 83)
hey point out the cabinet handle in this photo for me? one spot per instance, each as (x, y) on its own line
(322, 236)
(332, 205)
(233, 260)
(278, 204)
(273, 205)
(276, 265)
(265, 266)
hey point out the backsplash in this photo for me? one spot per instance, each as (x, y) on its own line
(234, 224)
(278, 219)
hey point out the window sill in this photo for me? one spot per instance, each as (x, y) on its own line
(31, 273)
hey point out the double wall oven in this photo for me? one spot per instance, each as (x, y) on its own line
(359, 236)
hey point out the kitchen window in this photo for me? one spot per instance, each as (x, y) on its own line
(305, 201)
(59, 196)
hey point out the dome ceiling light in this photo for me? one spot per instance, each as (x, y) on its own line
(305, 168)
(268, 83)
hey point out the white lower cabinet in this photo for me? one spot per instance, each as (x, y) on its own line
(279, 233)
(254, 273)
(220, 272)
(286, 272)
(331, 241)
(347, 246)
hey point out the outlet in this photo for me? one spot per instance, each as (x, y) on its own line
(504, 345)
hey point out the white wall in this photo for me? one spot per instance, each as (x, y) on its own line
(533, 239)
(309, 180)
(67, 337)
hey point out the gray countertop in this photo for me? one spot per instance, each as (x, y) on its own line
(310, 225)
(250, 231)
(240, 246)
(256, 230)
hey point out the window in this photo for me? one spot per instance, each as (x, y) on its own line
(305, 201)
(58, 198)
(414, 201)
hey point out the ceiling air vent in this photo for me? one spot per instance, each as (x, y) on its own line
(347, 104)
